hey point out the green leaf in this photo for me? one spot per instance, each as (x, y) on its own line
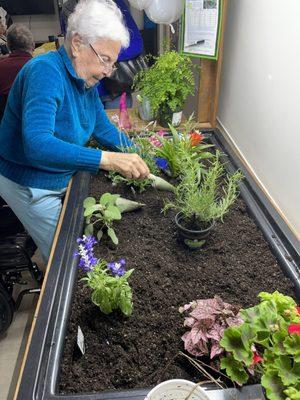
(289, 374)
(88, 202)
(232, 341)
(111, 233)
(128, 273)
(206, 155)
(292, 393)
(89, 229)
(112, 213)
(282, 302)
(174, 133)
(234, 369)
(125, 299)
(99, 235)
(90, 210)
(273, 385)
(105, 199)
(292, 346)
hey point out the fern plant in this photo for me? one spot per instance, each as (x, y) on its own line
(168, 82)
(198, 197)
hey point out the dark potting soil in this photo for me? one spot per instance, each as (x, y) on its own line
(142, 350)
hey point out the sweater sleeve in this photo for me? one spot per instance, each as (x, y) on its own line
(43, 94)
(106, 133)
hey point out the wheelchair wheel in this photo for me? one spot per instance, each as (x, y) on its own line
(6, 310)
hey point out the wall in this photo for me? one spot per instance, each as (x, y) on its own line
(260, 95)
(40, 25)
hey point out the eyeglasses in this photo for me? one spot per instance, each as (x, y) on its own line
(110, 68)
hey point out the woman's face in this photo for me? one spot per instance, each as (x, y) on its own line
(96, 61)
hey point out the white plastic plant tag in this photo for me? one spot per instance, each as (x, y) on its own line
(80, 340)
(176, 119)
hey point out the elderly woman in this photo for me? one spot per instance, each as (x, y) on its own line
(52, 110)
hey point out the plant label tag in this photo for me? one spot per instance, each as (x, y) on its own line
(176, 118)
(80, 340)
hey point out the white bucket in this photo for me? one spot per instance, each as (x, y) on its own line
(177, 389)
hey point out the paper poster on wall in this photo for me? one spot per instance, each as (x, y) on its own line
(201, 28)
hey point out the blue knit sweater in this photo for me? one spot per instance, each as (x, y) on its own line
(49, 117)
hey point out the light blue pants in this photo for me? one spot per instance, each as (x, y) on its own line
(37, 209)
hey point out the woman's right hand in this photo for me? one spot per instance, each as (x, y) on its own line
(129, 165)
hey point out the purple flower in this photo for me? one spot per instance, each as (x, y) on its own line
(86, 254)
(117, 268)
(162, 163)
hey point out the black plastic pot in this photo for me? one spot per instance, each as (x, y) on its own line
(41, 368)
(166, 116)
(192, 238)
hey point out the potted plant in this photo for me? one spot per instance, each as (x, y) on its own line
(199, 200)
(108, 281)
(180, 147)
(266, 343)
(166, 85)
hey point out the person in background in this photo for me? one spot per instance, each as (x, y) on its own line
(21, 45)
(106, 90)
(3, 40)
(53, 109)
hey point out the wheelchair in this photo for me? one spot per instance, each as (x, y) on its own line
(16, 251)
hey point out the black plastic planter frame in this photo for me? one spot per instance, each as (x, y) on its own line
(40, 374)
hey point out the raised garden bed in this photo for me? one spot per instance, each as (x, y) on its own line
(138, 352)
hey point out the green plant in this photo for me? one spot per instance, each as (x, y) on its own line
(182, 148)
(167, 83)
(206, 320)
(108, 281)
(101, 215)
(143, 148)
(269, 342)
(110, 291)
(200, 198)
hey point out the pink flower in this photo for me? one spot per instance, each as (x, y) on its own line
(161, 133)
(294, 328)
(155, 141)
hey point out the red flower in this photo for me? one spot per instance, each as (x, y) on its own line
(294, 328)
(256, 358)
(195, 138)
(298, 309)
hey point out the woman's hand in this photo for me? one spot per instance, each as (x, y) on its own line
(129, 165)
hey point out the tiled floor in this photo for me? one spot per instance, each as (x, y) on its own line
(12, 344)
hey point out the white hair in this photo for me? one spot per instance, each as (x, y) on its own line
(97, 19)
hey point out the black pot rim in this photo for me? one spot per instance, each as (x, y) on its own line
(179, 216)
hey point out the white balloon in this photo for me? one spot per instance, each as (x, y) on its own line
(165, 11)
(140, 4)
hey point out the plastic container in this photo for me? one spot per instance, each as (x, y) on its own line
(177, 389)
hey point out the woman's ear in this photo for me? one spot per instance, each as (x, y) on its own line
(76, 43)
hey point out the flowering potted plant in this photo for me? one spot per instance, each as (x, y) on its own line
(267, 343)
(166, 85)
(108, 281)
(199, 200)
(181, 147)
